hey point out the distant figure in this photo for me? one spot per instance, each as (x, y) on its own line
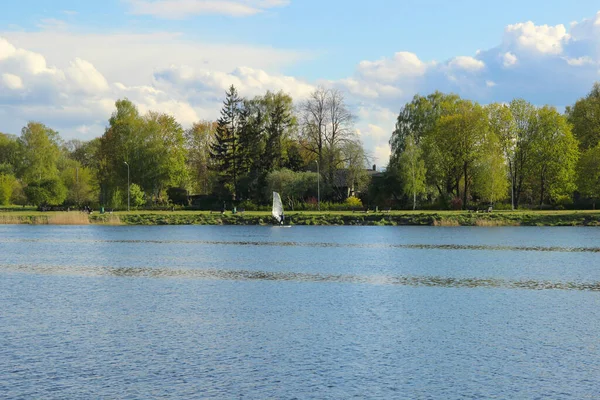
(282, 218)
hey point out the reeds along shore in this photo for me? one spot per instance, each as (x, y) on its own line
(442, 219)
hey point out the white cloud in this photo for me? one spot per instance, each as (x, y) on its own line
(12, 82)
(466, 63)
(381, 155)
(490, 83)
(402, 65)
(179, 9)
(133, 58)
(249, 82)
(71, 98)
(578, 62)
(86, 77)
(587, 29)
(540, 38)
(509, 59)
(376, 125)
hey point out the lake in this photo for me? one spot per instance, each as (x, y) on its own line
(303, 312)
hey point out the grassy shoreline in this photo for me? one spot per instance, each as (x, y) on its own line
(394, 218)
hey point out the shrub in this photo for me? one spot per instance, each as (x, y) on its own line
(6, 188)
(353, 202)
(564, 201)
(137, 196)
(247, 205)
(456, 203)
(47, 192)
(502, 206)
(178, 196)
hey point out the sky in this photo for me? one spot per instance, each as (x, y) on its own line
(66, 62)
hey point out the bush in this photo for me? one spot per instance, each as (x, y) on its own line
(177, 196)
(18, 194)
(564, 201)
(502, 206)
(50, 192)
(456, 203)
(353, 202)
(247, 205)
(6, 188)
(137, 196)
(116, 200)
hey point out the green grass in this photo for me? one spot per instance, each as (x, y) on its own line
(427, 218)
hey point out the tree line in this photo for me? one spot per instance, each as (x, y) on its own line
(257, 145)
(448, 152)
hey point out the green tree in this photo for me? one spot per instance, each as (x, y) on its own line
(490, 176)
(164, 164)
(80, 183)
(225, 154)
(253, 162)
(524, 124)
(152, 145)
(47, 192)
(554, 153)
(7, 183)
(412, 169)
(9, 149)
(355, 160)
(502, 126)
(294, 160)
(280, 122)
(39, 153)
(418, 118)
(455, 145)
(136, 196)
(86, 153)
(588, 174)
(294, 187)
(121, 142)
(199, 138)
(585, 118)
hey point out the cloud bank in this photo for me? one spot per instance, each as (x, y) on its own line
(55, 77)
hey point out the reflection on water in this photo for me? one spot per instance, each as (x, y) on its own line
(241, 275)
(558, 249)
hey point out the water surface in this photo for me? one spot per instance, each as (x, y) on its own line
(305, 312)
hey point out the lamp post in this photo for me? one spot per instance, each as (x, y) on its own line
(127, 185)
(318, 186)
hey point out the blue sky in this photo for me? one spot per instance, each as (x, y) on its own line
(65, 62)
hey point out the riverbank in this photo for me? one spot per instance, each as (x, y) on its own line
(422, 218)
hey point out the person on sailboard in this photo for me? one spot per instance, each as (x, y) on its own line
(281, 218)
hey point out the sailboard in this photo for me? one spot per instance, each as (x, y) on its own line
(278, 210)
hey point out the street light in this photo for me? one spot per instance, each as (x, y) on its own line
(318, 186)
(127, 185)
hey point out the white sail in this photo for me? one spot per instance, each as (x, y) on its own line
(277, 207)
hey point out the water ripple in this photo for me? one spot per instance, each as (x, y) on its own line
(482, 247)
(248, 275)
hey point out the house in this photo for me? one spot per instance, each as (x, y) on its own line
(345, 182)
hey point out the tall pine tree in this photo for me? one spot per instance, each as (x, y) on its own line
(225, 152)
(279, 121)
